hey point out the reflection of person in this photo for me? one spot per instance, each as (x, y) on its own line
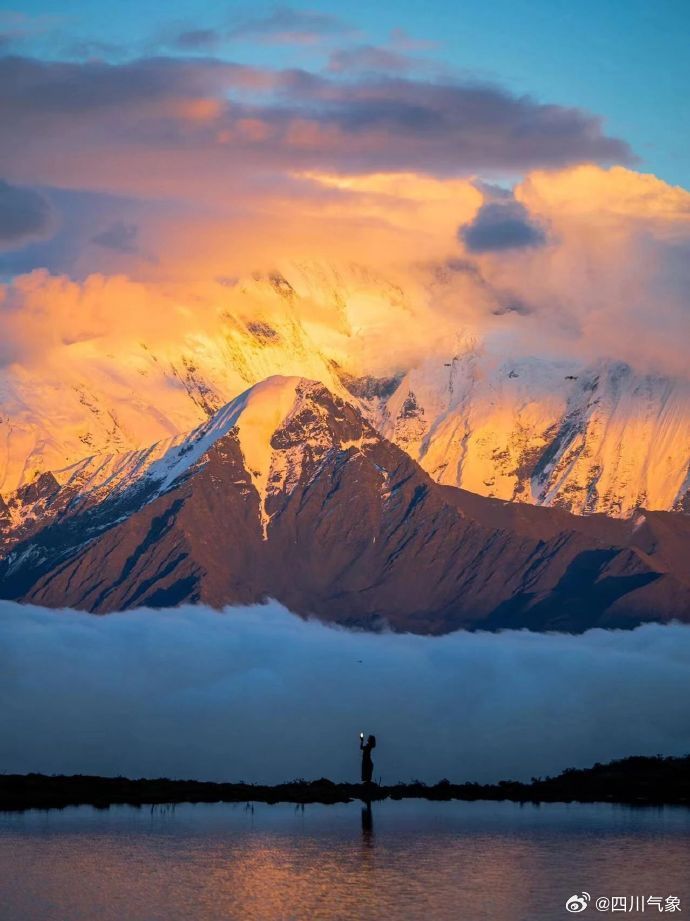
(367, 821)
(367, 763)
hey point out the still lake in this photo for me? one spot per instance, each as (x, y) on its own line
(406, 860)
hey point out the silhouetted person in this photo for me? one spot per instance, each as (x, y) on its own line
(367, 763)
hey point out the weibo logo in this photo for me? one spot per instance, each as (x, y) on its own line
(578, 903)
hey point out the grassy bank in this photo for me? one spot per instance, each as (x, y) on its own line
(636, 780)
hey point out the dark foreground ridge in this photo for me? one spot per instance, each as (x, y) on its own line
(636, 781)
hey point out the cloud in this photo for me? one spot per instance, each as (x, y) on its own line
(370, 59)
(587, 295)
(259, 695)
(287, 25)
(403, 41)
(46, 318)
(283, 25)
(24, 215)
(213, 123)
(78, 216)
(587, 190)
(499, 226)
(613, 282)
(16, 27)
(60, 88)
(198, 40)
(381, 285)
(94, 49)
(456, 128)
(119, 236)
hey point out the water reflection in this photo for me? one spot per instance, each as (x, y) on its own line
(367, 823)
(437, 861)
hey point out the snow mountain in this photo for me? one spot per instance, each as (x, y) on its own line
(585, 438)
(288, 492)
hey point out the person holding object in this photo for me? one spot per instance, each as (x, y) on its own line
(367, 763)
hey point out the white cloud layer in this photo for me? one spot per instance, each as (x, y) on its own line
(257, 694)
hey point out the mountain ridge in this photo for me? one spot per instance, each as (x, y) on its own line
(289, 492)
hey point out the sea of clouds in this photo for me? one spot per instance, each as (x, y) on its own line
(257, 694)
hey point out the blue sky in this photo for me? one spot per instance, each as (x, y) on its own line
(626, 62)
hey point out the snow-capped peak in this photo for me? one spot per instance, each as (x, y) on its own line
(277, 423)
(286, 423)
(265, 408)
(256, 414)
(263, 411)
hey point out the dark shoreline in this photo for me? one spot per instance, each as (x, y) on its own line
(641, 781)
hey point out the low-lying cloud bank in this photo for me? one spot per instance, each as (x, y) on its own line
(257, 694)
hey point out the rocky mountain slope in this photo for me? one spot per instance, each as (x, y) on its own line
(289, 492)
(588, 439)
(598, 438)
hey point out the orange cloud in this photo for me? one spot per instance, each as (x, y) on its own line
(610, 278)
(613, 279)
(200, 110)
(375, 279)
(364, 271)
(590, 190)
